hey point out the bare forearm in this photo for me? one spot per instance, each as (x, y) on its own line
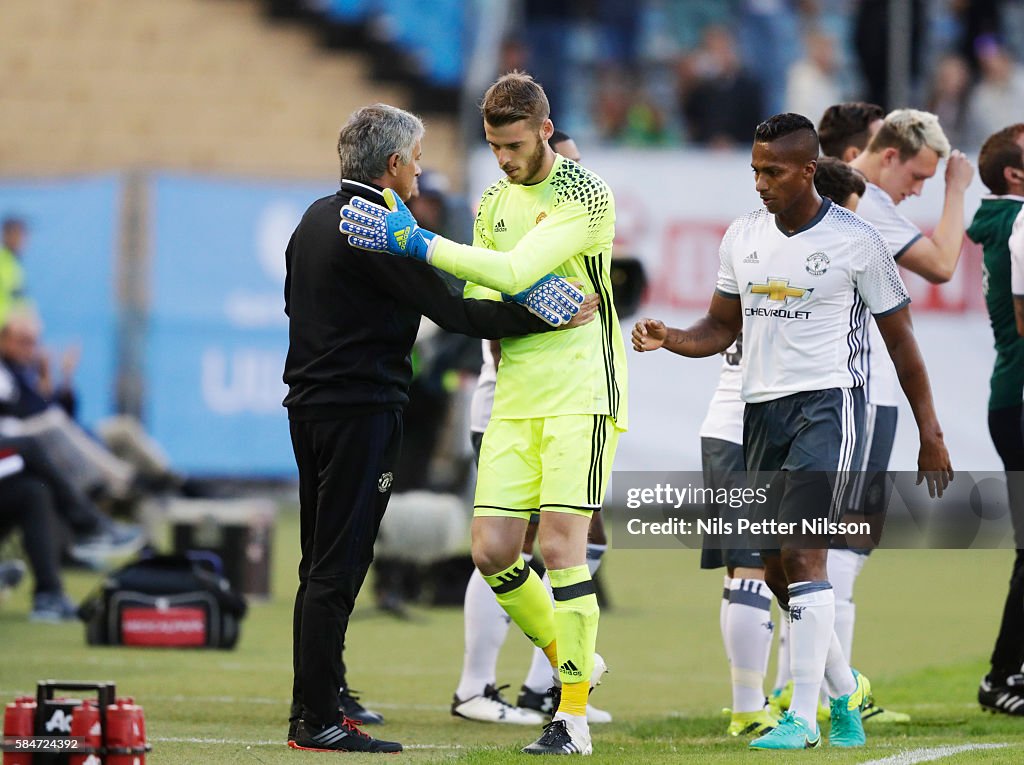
(948, 236)
(913, 377)
(706, 337)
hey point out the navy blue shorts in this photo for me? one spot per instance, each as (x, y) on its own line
(723, 466)
(806, 448)
(870, 488)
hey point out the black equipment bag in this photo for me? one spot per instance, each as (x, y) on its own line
(164, 601)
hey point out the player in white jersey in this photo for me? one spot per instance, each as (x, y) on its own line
(745, 613)
(901, 156)
(798, 277)
(477, 696)
(905, 155)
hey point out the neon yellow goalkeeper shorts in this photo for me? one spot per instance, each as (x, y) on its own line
(548, 463)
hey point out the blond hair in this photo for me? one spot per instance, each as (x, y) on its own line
(909, 131)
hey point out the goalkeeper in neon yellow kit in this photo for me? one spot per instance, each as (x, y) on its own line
(560, 401)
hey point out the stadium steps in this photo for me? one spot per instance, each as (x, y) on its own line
(192, 85)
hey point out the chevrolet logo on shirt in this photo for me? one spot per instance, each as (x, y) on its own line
(779, 290)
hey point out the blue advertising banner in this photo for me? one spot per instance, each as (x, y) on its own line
(69, 257)
(218, 334)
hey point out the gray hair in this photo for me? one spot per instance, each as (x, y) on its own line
(371, 135)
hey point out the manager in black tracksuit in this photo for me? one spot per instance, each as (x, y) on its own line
(353, 318)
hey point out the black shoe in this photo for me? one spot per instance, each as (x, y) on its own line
(557, 739)
(11, 574)
(1007, 698)
(344, 737)
(293, 726)
(350, 707)
(539, 702)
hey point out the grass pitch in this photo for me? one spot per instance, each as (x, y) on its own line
(925, 626)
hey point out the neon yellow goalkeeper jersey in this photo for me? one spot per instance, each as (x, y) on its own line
(563, 225)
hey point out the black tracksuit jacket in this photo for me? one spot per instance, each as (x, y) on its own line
(354, 316)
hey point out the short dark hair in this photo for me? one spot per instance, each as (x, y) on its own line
(999, 152)
(558, 136)
(780, 125)
(836, 180)
(12, 224)
(845, 125)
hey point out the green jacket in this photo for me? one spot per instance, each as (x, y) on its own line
(991, 228)
(12, 283)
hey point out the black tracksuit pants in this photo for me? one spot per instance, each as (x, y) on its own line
(1007, 434)
(346, 468)
(26, 502)
(80, 513)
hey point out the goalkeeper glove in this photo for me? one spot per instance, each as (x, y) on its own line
(390, 229)
(551, 298)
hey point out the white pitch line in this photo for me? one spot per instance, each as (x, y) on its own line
(267, 742)
(234, 700)
(928, 755)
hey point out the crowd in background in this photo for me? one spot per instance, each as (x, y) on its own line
(652, 73)
(685, 72)
(60, 485)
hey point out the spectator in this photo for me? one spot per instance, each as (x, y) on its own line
(86, 535)
(27, 503)
(549, 25)
(812, 84)
(871, 40)
(997, 98)
(28, 408)
(976, 19)
(725, 100)
(512, 55)
(947, 96)
(767, 31)
(625, 112)
(12, 277)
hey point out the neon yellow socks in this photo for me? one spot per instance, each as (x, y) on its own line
(576, 618)
(523, 596)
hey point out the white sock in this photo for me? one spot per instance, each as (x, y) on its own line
(748, 641)
(812, 616)
(594, 555)
(838, 676)
(723, 616)
(486, 627)
(782, 673)
(540, 676)
(844, 567)
(575, 723)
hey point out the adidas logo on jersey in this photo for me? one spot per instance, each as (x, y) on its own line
(499, 227)
(570, 669)
(751, 258)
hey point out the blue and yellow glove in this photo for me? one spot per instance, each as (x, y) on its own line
(551, 298)
(391, 229)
